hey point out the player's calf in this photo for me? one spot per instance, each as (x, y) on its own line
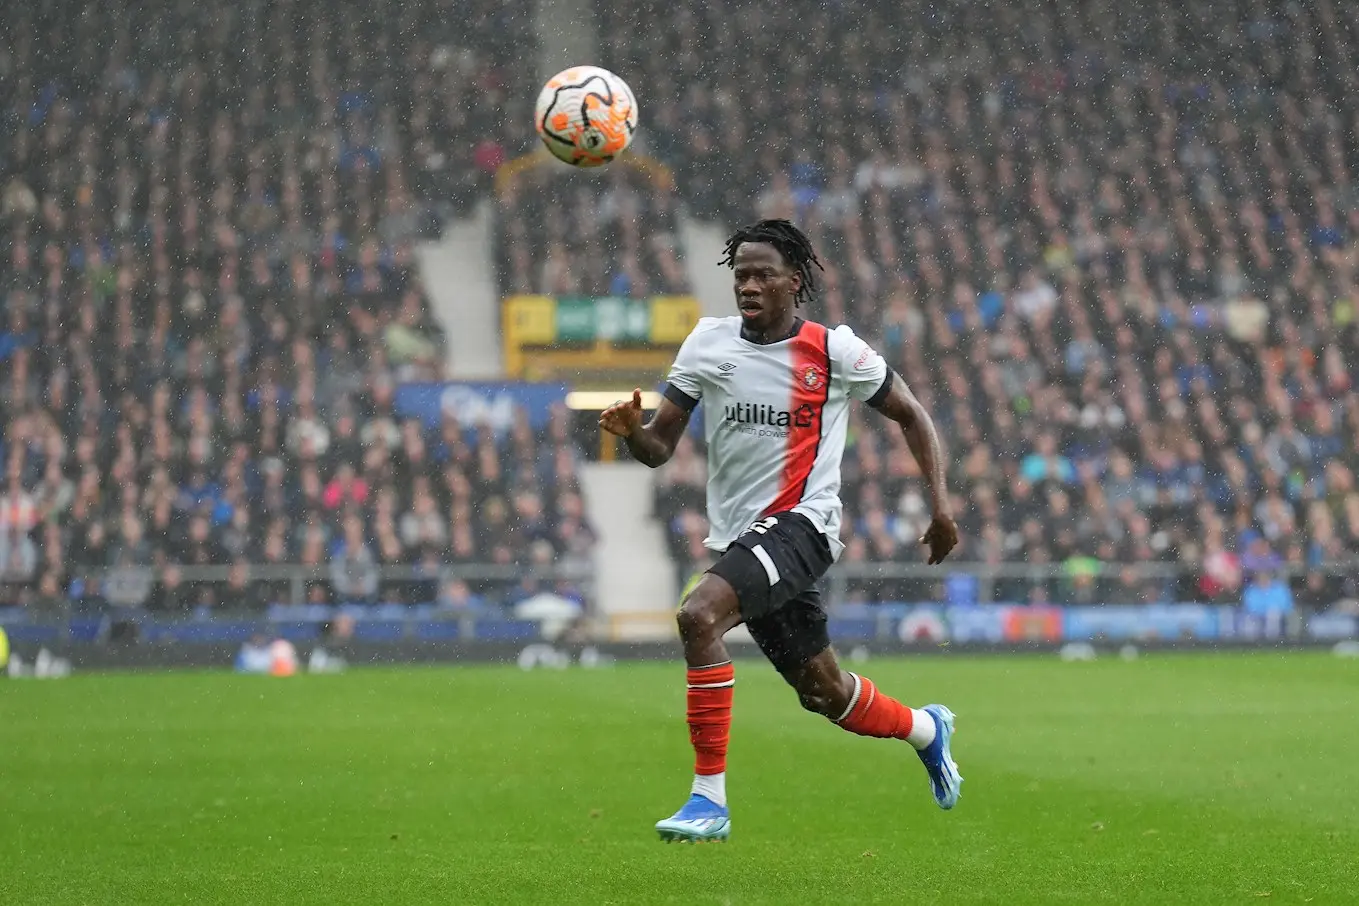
(827, 695)
(855, 703)
(869, 712)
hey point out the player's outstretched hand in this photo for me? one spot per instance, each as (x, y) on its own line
(624, 416)
(941, 536)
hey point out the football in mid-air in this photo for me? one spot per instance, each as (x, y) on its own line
(586, 116)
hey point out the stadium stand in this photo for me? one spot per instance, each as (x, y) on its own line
(574, 233)
(1118, 264)
(210, 295)
(1111, 246)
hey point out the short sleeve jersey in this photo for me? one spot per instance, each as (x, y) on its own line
(776, 417)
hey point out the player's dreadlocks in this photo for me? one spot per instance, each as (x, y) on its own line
(792, 244)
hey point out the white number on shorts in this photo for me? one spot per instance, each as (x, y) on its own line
(764, 525)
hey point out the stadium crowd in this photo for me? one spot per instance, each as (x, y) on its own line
(209, 297)
(1111, 246)
(566, 232)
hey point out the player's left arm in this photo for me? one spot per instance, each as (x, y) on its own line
(868, 378)
(901, 406)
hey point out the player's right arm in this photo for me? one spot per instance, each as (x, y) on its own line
(651, 444)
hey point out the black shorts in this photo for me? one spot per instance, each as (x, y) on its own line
(775, 568)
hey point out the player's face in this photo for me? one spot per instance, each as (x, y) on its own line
(765, 286)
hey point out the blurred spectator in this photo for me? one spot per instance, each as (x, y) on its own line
(353, 565)
(455, 597)
(1267, 594)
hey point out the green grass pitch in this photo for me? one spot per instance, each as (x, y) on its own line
(1171, 779)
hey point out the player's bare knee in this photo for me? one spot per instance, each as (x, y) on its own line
(698, 621)
(710, 609)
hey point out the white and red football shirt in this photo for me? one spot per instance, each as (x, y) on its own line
(775, 419)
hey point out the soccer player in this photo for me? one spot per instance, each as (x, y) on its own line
(777, 391)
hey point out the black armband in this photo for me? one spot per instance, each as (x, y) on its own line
(880, 395)
(679, 397)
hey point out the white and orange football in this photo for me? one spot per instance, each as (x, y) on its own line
(586, 116)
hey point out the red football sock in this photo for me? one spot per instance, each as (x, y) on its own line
(710, 694)
(873, 713)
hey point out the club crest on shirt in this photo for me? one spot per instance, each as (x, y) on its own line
(811, 377)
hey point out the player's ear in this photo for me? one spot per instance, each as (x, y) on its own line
(795, 280)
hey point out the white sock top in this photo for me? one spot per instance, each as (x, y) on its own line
(923, 729)
(713, 786)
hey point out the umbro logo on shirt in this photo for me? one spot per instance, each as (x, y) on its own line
(726, 368)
